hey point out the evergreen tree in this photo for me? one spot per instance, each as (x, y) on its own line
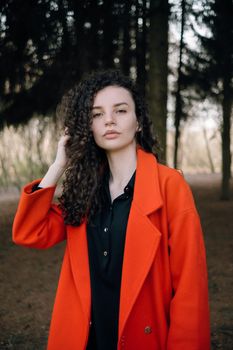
(48, 45)
(211, 69)
(158, 68)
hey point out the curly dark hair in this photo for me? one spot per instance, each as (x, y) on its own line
(87, 163)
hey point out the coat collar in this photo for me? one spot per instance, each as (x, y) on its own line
(141, 244)
(147, 195)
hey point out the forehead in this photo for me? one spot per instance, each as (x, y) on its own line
(112, 95)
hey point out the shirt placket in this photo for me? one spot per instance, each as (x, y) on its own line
(106, 239)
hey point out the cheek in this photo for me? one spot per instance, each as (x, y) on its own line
(132, 126)
(94, 128)
(96, 131)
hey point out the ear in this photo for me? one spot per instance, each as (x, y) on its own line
(138, 128)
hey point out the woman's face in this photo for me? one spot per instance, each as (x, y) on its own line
(114, 122)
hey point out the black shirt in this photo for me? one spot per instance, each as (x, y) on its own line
(106, 239)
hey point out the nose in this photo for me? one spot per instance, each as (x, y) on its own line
(109, 118)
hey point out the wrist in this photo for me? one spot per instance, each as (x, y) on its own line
(58, 167)
(52, 176)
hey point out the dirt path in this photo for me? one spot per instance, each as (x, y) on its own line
(217, 222)
(28, 278)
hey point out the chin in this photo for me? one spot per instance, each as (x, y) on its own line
(117, 147)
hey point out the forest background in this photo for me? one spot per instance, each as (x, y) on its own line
(180, 54)
(178, 51)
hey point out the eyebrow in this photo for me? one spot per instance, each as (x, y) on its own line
(115, 105)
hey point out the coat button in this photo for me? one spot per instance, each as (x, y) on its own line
(122, 341)
(147, 330)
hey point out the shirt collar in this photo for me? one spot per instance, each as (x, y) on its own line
(128, 189)
(130, 185)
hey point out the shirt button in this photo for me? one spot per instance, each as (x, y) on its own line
(147, 330)
(105, 253)
(105, 229)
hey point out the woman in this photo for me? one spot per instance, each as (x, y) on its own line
(134, 271)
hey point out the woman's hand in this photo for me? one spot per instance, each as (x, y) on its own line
(61, 157)
(56, 170)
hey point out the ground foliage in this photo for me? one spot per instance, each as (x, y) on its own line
(29, 277)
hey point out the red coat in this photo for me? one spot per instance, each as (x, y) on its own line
(164, 296)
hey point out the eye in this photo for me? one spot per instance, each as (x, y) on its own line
(96, 115)
(121, 111)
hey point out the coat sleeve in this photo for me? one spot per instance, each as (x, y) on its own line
(189, 309)
(38, 222)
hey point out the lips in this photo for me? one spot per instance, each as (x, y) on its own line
(111, 132)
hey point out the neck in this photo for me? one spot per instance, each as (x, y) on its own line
(122, 164)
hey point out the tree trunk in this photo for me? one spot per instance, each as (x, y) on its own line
(108, 34)
(226, 139)
(208, 150)
(126, 54)
(178, 107)
(141, 44)
(227, 98)
(158, 69)
(81, 53)
(94, 37)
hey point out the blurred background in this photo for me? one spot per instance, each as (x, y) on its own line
(180, 54)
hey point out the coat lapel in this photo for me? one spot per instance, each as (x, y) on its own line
(78, 251)
(142, 241)
(142, 237)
